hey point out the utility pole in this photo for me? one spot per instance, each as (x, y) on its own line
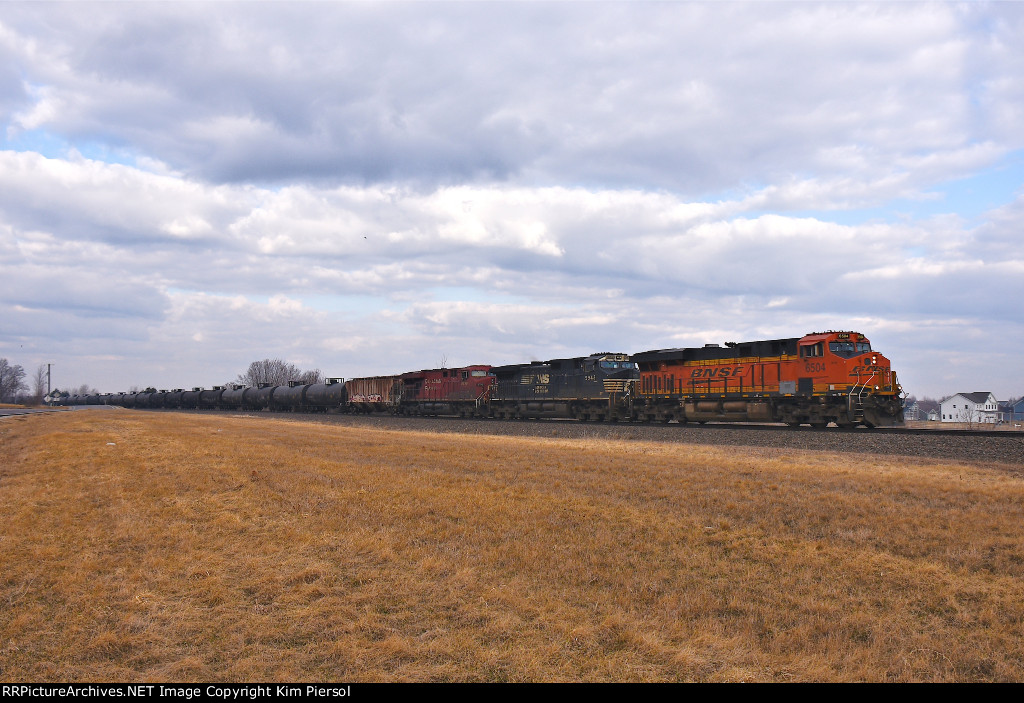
(48, 379)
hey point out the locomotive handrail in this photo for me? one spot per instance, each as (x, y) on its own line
(484, 395)
(867, 386)
(863, 388)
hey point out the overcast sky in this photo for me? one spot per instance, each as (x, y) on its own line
(369, 188)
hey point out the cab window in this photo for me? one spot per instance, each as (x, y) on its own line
(809, 350)
(618, 365)
(849, 349)
(843, 349)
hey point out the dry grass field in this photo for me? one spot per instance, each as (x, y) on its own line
(149, 547)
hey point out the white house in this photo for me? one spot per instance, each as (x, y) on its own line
(974, 408)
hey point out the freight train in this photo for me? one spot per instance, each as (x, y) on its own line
(817, 379)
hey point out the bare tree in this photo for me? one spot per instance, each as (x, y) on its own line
(12, 380)
(276, 372)
(968, 415)
(311, 376)
(39, 384)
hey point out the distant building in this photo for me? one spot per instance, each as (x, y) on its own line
(921, 409)
(1015, 410)
(914, 411)
(978, 407)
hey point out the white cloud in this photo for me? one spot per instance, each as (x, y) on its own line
(321, 185)
(674, 95)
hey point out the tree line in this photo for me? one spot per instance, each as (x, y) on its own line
(13, 385)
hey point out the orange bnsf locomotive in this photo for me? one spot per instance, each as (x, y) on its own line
(815, 379)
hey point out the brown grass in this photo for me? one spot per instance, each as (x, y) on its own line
(137, 546)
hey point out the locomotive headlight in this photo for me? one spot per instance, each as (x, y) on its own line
(876, 388)
(874, 360)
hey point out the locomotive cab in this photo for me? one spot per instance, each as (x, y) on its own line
(610, 366)
(842, 369)
(834, 344)
(844, 360)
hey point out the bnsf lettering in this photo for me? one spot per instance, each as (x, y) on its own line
(718, 372)
(868, 369)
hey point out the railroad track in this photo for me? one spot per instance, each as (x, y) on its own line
(1002, 447)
